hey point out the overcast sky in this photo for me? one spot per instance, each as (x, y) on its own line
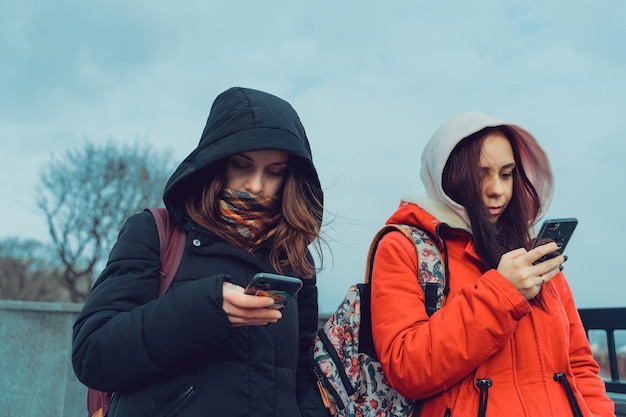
(371, 81)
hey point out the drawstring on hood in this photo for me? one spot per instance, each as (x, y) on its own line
(447, 136)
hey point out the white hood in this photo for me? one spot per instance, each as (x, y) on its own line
(449, 134)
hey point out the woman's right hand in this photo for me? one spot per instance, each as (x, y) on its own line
(247, 310)
(517, 266)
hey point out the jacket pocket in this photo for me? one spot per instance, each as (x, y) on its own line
(178, 403)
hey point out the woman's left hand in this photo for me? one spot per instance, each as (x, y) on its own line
(247, 310)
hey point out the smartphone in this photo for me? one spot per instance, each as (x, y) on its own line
(555, 230)
(280, 287)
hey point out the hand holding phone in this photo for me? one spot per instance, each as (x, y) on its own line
(555, 230)
(280, 287)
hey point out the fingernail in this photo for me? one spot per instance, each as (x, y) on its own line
(560, 267)
(564, 258)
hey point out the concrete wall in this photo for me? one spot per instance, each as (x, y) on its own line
(36, 376)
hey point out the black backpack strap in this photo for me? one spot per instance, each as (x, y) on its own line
(366, 341)
(172, 242)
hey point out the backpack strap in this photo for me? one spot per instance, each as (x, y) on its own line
(431, 275)
(172, 246)
(172, 242)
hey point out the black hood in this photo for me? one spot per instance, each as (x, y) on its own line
(243, 120)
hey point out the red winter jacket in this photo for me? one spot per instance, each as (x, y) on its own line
(486, 331)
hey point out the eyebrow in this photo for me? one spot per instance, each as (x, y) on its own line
(285, 163)
(507, 166)
(247, 158)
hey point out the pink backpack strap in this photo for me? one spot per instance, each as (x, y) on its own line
(172, 242)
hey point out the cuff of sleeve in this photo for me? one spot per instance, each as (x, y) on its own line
(506, 291)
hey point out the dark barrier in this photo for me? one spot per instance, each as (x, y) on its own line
(606, 330)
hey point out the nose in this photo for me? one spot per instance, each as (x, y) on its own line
(254, 184)
(494, 187)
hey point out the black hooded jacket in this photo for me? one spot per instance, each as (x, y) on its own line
(178, 355)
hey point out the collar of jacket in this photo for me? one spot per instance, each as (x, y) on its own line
(430, 215)
(205, 242)
(439, 212)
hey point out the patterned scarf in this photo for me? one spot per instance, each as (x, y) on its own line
(254, 218)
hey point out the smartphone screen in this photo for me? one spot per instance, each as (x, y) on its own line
(281, 288)
(555, 230)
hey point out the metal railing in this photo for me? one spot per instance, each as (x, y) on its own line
(606, 331)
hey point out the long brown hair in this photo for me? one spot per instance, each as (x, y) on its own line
(299, 227)
(461, 182)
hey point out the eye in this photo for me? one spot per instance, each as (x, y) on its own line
(508, 173)
(278, 172)
(239, 164)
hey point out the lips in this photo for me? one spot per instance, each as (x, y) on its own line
(494, 211)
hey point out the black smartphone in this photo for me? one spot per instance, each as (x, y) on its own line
(555, 230)
(280, 287)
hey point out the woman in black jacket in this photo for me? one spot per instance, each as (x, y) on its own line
(250, 201)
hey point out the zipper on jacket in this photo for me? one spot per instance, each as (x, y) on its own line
(337, 361)
(178, 403)
(483, 384)
(571, 397)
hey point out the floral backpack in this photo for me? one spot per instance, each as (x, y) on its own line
(350, 378)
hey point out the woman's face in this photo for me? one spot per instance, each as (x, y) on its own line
(260, 173)
(496, 168)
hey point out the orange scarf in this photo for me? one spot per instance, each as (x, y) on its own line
(254, 218)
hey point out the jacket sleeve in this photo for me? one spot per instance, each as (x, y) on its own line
(309, 399)
(119, 337)
(584, 367)
(420, 356)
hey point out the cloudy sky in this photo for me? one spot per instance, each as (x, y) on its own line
(371, 81)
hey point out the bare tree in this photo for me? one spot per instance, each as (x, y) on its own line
(87, 194)
(28, 273)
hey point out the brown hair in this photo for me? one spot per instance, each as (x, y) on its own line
(298, 228)
(461, 182)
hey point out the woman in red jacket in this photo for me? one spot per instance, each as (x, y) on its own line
(509, 340)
